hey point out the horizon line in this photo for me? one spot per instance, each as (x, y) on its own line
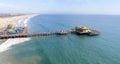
(62, 13)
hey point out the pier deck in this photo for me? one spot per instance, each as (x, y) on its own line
(26, 34)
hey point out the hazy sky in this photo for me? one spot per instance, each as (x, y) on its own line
(61, 6)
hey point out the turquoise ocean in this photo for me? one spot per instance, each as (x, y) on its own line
(65, 49)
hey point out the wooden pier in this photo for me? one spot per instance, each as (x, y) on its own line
(25, 34)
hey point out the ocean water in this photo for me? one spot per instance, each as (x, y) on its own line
(66, 49)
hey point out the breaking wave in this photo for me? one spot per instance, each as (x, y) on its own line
(10, 42)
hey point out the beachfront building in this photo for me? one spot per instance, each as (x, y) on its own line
(82, 29)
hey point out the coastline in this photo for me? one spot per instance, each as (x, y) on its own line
(4, 21)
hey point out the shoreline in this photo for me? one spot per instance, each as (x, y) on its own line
(4, 21)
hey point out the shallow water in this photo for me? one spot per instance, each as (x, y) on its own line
(68, 49)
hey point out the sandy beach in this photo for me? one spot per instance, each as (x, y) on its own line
(4, 21)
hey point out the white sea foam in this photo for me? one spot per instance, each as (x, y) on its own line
(23, 22)
(10, 42)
